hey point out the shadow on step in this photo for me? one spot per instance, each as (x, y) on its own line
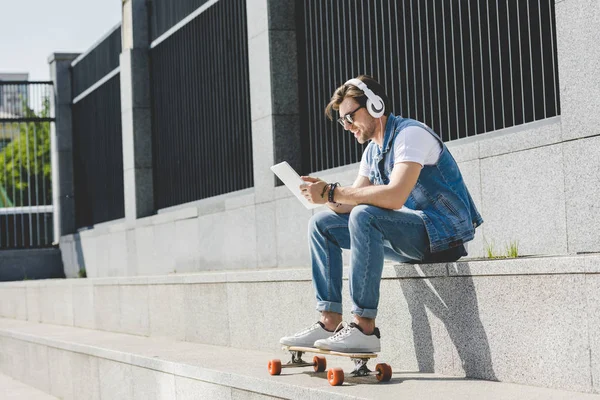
(358, 380)
(397, 377)
(454, 302)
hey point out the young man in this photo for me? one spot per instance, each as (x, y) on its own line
(409, 203)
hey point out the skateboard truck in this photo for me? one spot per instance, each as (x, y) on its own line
(360, 367)
(297, 361)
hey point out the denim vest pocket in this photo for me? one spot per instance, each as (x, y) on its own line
(445, 206)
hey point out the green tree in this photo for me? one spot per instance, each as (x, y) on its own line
(25, 169)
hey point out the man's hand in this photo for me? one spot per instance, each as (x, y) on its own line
(313, 188)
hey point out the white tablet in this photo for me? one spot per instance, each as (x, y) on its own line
(292, 180)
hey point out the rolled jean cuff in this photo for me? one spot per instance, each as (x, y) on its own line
(364, 312)
(329, 306)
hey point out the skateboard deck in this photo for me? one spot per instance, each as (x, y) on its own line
(329, 352)
(335, 376)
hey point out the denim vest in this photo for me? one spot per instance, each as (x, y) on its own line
(440, 195)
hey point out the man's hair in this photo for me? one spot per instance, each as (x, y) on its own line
(349, 90)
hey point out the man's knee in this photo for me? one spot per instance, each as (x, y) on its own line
(361, 215)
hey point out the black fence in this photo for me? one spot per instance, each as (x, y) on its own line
(25, 167)
(26, 230)
(98, 155)
(97, 63)
(164, 14)
(202, 139)
(462, 67)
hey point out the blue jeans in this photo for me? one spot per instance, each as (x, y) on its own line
(372, 234)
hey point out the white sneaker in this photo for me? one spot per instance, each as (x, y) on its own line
(351, 339)
(307, 337)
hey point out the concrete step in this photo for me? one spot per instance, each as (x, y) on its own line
(74, 363)
(533, 321)
(12, 389)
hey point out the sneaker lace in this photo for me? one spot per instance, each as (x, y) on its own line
(342, 331)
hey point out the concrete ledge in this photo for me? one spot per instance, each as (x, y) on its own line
(577, 264)
(175, 215)
(521, 137)
(109, 365)
(216, 204)
(573, 264)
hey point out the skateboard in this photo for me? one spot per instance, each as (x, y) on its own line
(335, 376)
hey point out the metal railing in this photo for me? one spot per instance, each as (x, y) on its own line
(25, 167)
(462, 67)
(97, 132)
(201, 126)
(164, 14)
(97, 62)
(98, 155)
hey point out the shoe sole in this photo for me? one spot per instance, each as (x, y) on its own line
(354, 350)
(296, 344)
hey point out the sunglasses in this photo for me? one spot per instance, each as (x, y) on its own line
(348, 117)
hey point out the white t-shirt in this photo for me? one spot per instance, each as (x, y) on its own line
(414, 144)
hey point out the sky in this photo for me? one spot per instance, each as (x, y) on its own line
(31, 30)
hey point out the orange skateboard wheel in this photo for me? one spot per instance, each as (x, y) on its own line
(384, 372)
(335, 376)
(274, 367)
(320, 363)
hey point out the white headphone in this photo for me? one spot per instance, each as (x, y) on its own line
(375, 104)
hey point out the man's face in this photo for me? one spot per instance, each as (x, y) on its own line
(364, 125)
